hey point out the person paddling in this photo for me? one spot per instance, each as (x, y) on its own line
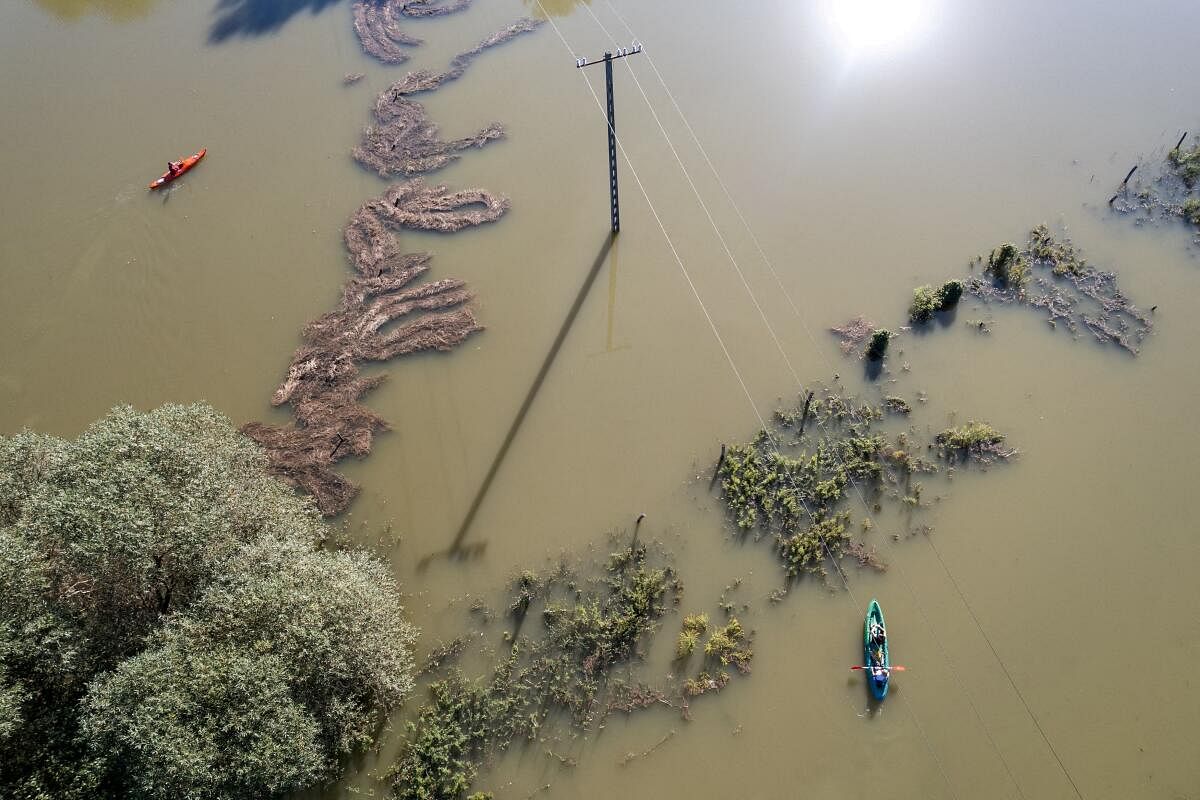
(173, 167)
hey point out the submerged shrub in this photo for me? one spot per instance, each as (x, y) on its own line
(1191, 210)
(1007, 267)
(804, 551)
(1186, 163)
(694, 626)
(927, 301)
(878, 344)
(975, 440)
(949, 294)
(727, 645)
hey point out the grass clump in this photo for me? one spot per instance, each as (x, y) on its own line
(1061, 257)
(1191, 210)
(1186, 163)
(878, 344)
(896, 405)
(975, 440)
(727, 645)
(806, 551)
(1007, 266)
(694, 626)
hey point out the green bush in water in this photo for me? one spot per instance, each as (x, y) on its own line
(924, 304)
(949, 294)
(1007, 266)
(878, 344)
(1191, 210)
(1186, 162)
(804, 551)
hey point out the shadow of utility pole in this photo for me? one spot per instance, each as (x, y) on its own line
(457, 549)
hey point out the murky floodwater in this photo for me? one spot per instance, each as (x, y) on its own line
(865, 165)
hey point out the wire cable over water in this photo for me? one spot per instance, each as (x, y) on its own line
(808, 331)
(724, 348)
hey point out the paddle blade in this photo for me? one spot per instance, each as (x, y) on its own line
(892, 669)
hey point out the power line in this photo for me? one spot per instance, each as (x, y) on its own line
(808, 331)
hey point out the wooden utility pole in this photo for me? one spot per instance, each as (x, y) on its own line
(612, 123)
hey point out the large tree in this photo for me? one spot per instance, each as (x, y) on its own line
(171, 625)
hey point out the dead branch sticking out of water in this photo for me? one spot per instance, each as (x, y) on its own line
(405, 141)
(1166, 190)
(426, 80)
(1073, 294)
(377, 23)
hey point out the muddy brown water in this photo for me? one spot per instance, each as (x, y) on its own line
(867, 158)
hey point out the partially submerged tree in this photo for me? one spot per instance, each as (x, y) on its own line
(170, 627)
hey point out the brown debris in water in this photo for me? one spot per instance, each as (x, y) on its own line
(853, 333)
(1166, 189)
(377, 23)
(405, 141)
(323, 383)
(417, 206)
(426, 80)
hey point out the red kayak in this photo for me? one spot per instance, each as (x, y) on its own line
(180, 167)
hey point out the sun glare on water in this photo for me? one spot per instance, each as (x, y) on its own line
(878, 27)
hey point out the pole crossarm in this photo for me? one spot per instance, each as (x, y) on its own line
(607, 61)
(634, 49)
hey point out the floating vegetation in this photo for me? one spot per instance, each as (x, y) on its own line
(694, 626)
(927, 301)
(853, 333)
(323, 383)
(793, 487)
(975, 441)
(1073, 294)
(377, 23)
(404, 141)
(1166, 188)
(877, 347)
(727, 644)
(582, 629)
(425, 80)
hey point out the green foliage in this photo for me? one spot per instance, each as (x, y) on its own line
(446, 742)
(1007, 266)
(1186, 163)
(878, 344)
(897, 405)
(926, 301)
(975, 440)
(727, 645)
(806, 550)
(168, 627)
(694, 626)
(1061, 257)
(949, 294)
(191, 721)
(1191, 210)
(584, 632)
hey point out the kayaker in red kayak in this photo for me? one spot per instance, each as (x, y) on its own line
(177, 168)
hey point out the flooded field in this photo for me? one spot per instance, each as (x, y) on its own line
(1046, 620)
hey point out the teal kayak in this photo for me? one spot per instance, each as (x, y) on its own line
(875, 651)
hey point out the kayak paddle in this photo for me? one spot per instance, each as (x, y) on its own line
(890, 669)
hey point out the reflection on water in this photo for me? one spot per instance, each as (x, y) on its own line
(258, 17)
(554, 8)
(875, 27)
(113, 9)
